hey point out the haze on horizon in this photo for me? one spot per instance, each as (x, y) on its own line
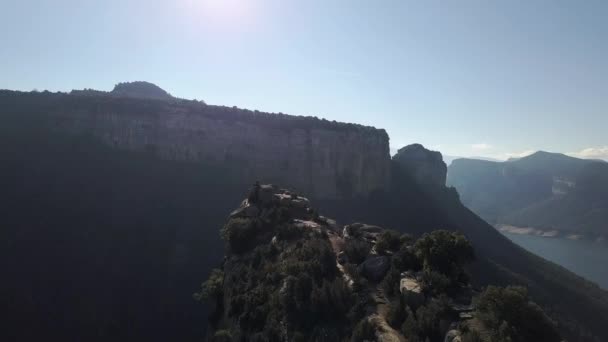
(468, 78)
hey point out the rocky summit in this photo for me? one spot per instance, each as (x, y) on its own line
(290, 274)
(425, 166)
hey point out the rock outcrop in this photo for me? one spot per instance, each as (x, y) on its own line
(140, 90)
(375, 267)
(292, 275)
(326, 160)
(425, 166)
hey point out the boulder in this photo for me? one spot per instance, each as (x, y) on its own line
(374, 268)
(332, 224)
(410, 288)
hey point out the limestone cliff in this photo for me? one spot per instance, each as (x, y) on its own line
(322, 158)
(425, 166)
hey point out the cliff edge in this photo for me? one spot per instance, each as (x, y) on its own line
(325, 159)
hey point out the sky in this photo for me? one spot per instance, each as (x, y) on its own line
(484, 78)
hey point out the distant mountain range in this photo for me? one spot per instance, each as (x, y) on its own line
(449, 159)
(547, 191)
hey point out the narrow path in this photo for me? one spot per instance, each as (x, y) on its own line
(379, 304)
(337, 243)
(386, 333)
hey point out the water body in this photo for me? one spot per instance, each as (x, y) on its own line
(586, 258)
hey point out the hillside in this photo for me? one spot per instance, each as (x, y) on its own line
(102, 242)
(548, 191)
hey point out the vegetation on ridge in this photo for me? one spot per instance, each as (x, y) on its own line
(290, 274)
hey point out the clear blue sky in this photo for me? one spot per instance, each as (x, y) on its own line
(488, 78)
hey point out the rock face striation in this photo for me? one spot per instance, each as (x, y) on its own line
(425, 166)
(324, 159)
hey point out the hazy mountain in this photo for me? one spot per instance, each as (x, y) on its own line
(544, 190)
(142, 90)
(449, 159)
(111, 206)
(136, 89)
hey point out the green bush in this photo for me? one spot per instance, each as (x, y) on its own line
(391, 281)
(472, 336)
(364, 331)
(435, 283)
(424, 324)
(406, 260)
(287, 231)
(445, 252)
(222, 336)
(240, 233)
(356, 250)
(509, 314)
(397, 312)
(389, 240)
(213, 287)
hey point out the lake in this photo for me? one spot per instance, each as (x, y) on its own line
(586, 258)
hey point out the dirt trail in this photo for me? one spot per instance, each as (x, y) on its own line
(386, 333)
(337, 243)
(379, 304)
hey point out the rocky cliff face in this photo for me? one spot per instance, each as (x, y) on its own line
(322, 158)
(425, 166)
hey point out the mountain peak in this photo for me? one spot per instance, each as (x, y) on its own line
(426, 166)
(141, 89)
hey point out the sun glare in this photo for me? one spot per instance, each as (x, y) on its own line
(223, 13)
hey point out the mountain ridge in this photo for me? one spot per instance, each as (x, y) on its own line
(116, 214)
(548, 191)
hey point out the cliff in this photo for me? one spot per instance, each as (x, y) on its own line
(324, 159)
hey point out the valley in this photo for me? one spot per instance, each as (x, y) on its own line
(583, 257)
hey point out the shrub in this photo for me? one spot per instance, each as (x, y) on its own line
(410, 326)
(472, 336)
(287, 231)
(222, 336)
(397, 312)
(435, 283)
(389, 240)
(406, 239)
(356, 250)
(509, 314)
(364, 331)
(444, 252)
(405, 260)
(239, 233)
(213, 287)
(391, 281)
